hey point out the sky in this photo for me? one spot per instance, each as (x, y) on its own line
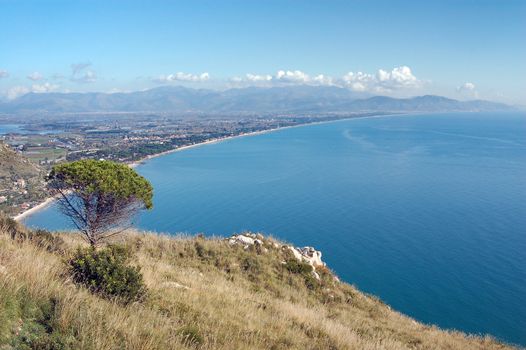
(463, 49)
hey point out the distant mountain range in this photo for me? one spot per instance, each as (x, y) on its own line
(292, 99)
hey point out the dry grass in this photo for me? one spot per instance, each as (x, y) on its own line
(203, 293)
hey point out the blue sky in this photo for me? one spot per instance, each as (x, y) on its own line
(462, 49)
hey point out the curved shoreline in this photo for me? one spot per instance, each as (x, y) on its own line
(48, 201)
(34, 209)
(253, 133)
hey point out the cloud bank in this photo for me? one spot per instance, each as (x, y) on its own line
(184, 77)
(398, 81)
(468, 90)
(35, 76)
(399, 78)
(17, 91)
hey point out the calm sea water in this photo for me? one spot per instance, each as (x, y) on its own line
(428, 212)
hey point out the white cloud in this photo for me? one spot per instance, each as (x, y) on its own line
(358, 81)
(283, 77)
(399, 78)
(466, 87)
(17, 91)
(88, 76)
(46, 87)
(256, 77)
(3, 73)
(81, 74)
(323, 80)
(468, 90)
(295, 76)
(180, 76)
(35, 76)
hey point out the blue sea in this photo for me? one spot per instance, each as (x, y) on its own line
(428, 212)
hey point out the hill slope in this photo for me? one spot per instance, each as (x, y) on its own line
(203, 293)
(20, 180)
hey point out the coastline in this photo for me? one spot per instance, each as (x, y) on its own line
(34, 209)
(212, 141)
(48, 201)
(254, 133)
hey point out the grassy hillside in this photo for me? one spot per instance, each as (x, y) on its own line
(20, 181)
(202, 293)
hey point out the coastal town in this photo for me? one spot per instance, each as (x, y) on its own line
(41, 142)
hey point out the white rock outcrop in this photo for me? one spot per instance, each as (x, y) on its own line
(246, 240)
(311, 255)
(305, 254)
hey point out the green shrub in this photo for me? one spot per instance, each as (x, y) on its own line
(311, 282)
(304, 269)
(105, 272)
(299, 267)
(31, 324)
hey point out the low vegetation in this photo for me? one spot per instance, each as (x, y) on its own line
(202, 293)
(21, 182)
(105, 272)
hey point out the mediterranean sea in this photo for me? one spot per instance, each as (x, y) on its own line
(427, 212)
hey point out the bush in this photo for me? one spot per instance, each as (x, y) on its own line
(304, 269)
(10, 226)
(299, 267)
(106, 273)
(40, 238)
(47, 240)
(33, 324)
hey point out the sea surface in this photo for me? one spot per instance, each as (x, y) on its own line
(427, 212)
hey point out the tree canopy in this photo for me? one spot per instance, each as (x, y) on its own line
(99, 196)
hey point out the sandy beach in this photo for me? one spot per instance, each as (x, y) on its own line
(50, 200)
(221, 139)
(34, 209)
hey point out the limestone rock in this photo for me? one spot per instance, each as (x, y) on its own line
(312, 256)
(241, 239)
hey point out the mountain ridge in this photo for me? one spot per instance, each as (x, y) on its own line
(289, 99)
